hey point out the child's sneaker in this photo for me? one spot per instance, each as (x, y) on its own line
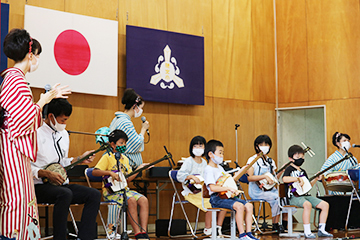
(311, 235)
(324, 234)
(112, 236)
(207, 231)
(243, 236)
(249, 234)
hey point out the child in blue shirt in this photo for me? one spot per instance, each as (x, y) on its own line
(214, 153)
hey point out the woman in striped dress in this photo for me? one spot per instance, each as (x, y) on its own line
(340, 141)
(133, 109)
(21, 118)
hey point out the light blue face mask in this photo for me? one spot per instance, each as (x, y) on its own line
(217, 160)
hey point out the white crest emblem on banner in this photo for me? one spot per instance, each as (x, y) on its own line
(168, 71)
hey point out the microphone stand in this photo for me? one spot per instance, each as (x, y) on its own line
(236, 142)
(352, 160)
(124, 206)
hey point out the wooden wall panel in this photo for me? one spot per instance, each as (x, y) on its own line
(232, 51)
(333, 36)
(227, 113)
(158, 116)
(262, 22)
(292, 51)
(265, 123)
(186, 122)
(93, 8)
(147, 13)
(186, 18)
(54, 4)
(339, 118)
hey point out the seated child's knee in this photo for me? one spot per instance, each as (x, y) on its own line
(249, 207)
(131, 201)
(238, 206)
(307, 205)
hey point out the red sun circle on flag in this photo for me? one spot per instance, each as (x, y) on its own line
(72, 52)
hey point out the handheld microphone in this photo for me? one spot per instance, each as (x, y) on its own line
(354, 146)
(45, 108)
(143, 119)
(47, 88)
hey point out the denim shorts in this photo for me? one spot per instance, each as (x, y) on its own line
(217, 202)
(299, 201)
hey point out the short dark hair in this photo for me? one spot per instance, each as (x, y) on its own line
(337, 137)
(58, 107)
(294, 149)
(262, 139)
(17, 44)
(117, 134)
(194, 141)
(131, 98)
(211, 147)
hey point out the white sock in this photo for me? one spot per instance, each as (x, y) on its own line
(322, 227)
(307, 229)
(219, 230)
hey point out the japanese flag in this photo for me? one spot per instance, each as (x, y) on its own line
(77, 50)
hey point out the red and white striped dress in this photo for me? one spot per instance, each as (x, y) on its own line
(18, 147)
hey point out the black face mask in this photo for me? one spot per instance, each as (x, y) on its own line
(299, 162)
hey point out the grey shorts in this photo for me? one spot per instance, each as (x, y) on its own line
(299, 201)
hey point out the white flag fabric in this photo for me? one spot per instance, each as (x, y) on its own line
(77, 50)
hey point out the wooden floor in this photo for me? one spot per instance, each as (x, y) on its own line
(352, 234)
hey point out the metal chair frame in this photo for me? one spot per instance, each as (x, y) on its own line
(176, 199)
(213, 219)
(354, 194)
(253, 201)
(47, 205)
(90, 178)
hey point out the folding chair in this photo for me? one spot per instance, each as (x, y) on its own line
(353, 175)
(213, 218)
(177, 200)
(91, 178)
(46, 217)
(290, 209)
(261, 203)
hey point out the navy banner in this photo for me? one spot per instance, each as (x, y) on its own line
(165, 66)
(4, 31)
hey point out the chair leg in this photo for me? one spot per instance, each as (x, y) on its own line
(290, 226)
(348, 213)
(74, 224)
(197, 220)
(233, 225)
(104, 225)
(213, 225)
(47, 220)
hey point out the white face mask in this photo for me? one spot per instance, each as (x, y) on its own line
(35, 66)
(217, 160)
(264, 149)
(346, 145)
(58, 127)
(198, 152)
(138, 114)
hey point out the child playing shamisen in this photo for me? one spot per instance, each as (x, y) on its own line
(107, 166)
(292, 174)
(214, 153)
